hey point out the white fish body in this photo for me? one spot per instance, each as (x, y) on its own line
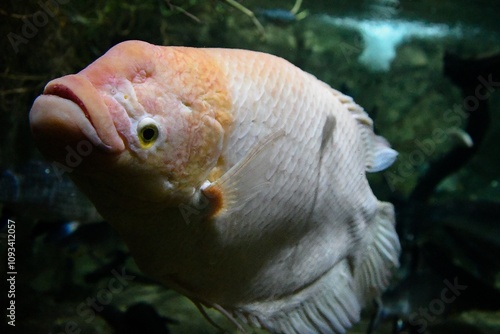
(285, 232)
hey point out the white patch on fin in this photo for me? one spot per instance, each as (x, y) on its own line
(244, 180)
(383, 155)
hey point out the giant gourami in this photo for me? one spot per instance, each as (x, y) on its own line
(233, 176)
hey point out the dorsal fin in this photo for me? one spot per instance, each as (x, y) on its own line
(378, 153)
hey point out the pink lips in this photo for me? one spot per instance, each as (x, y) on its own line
(66, 93)
(70, 109)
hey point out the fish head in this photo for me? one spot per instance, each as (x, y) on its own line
(150, 117)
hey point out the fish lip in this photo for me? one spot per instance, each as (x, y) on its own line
(44, 109)
(81, 91)
(66, 93)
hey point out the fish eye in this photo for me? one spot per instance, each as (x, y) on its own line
(148, 132)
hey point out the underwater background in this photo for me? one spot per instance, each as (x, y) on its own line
(426, 71)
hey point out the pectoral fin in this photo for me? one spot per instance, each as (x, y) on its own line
(242, 182)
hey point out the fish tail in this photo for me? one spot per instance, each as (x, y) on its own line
(381, 256)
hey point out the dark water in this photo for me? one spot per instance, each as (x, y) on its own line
(441, 113)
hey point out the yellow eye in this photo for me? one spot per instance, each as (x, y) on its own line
(147, 131)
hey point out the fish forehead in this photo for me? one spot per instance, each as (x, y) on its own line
(159, 75)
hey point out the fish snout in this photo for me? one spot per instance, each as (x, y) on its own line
(70, 118)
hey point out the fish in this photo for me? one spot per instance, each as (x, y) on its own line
(282, 17)
(234, 178)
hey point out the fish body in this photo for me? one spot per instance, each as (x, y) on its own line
(234, 177)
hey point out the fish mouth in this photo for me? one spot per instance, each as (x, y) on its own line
(66, 93)
(71, 113)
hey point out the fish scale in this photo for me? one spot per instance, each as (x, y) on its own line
(250, 195)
